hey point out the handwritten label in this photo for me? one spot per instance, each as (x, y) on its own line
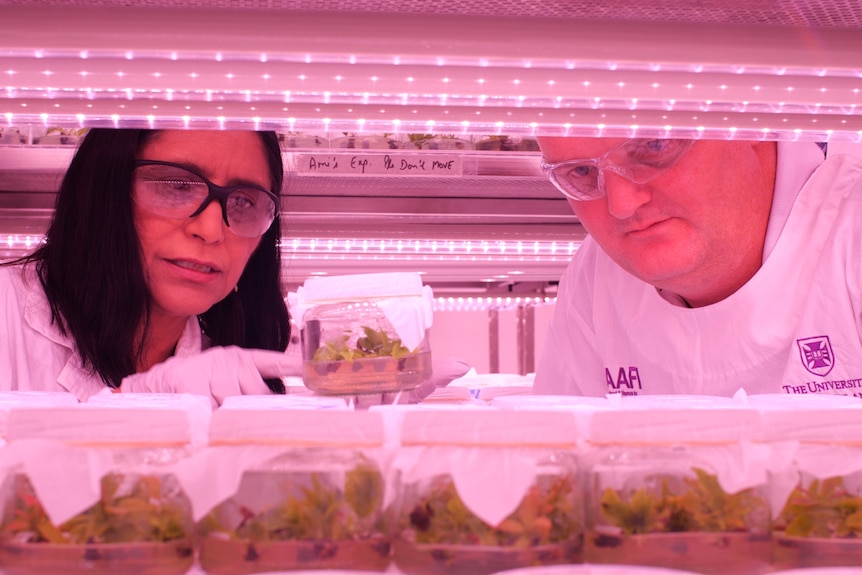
(380, 164)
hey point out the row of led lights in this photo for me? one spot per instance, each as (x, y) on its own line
(376, 247)
(616, 129)
(22, 244)
(428, 247)
(489, 303)
(464, 84)
(481, 101)
(441, 61)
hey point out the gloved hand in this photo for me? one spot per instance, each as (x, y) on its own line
(443, 371)
(218, 372)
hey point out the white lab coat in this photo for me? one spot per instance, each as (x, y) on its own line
(35, 356)
(795, 327)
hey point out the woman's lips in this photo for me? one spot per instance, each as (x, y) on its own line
(189, 265)
(194, 270)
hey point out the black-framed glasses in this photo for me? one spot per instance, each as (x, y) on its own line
(177, 191)
(638, 160)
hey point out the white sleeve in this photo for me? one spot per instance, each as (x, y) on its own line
(569, 363)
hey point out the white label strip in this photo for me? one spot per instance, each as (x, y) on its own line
(379, 164)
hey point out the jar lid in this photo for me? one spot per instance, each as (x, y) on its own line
(102, 425)
(197, 408)
(673, 425)
(839, 425)
(488, 427)
(12, 399)
(280, 425)
(339, 288)
(581, 407)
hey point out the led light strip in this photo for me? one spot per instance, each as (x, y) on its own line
(394, 249)
(455, 250)
(430, 119)
(330, 71)
(489, 303)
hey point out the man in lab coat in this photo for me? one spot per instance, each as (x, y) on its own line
(710, 266)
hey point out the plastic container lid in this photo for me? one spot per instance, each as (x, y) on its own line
(764, 401)
(306, 400)
(581, 407)
(303, 427)
(197, 408)
(488, 427)
(672, 401)
(551, 402)
(102, 425)
(337, 288)
(667, 426)
(10, 400)
(816, 424)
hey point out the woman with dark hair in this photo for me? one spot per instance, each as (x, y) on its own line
(160, 271)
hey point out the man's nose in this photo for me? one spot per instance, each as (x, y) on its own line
(624, 196)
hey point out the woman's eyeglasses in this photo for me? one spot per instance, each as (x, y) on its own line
(638, 160)
(176, 191)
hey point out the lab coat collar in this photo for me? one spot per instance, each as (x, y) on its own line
(797, 161)
(76, 378)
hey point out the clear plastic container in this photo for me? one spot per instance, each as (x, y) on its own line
(366, 333)
(595, 570)
(118, 507)
(367, 141)
(290, 140)
(679, 487)
(817, 492)
(507, 144)
(309, 491)
(437, 142)
(481, 490)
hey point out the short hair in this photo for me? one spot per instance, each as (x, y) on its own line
(91, 269)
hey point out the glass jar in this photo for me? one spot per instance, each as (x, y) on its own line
(437, 142)
(296, 489)
(817, 486)
(595, 570)
(479, 490)
(350, 140)
(118, 508)
(678, 484)
(365, 333)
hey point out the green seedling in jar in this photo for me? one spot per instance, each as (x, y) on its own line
(144, 514)
(823, 509)
(701, 506)
(546, 515)
(318, 512)
(375, 343)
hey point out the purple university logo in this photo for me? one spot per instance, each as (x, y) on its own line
(816, 354)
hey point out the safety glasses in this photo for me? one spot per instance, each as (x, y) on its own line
(638, 160)
(176, 191)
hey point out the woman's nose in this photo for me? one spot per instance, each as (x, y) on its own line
(624, 196)
(208, 225)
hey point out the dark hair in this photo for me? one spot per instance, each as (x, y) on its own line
(90, 264)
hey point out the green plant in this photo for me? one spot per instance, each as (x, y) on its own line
(702, 505)
(547, 514)
(66, 131)
(145, 514)
(316, 512)
(823, 509)
(375, 343)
